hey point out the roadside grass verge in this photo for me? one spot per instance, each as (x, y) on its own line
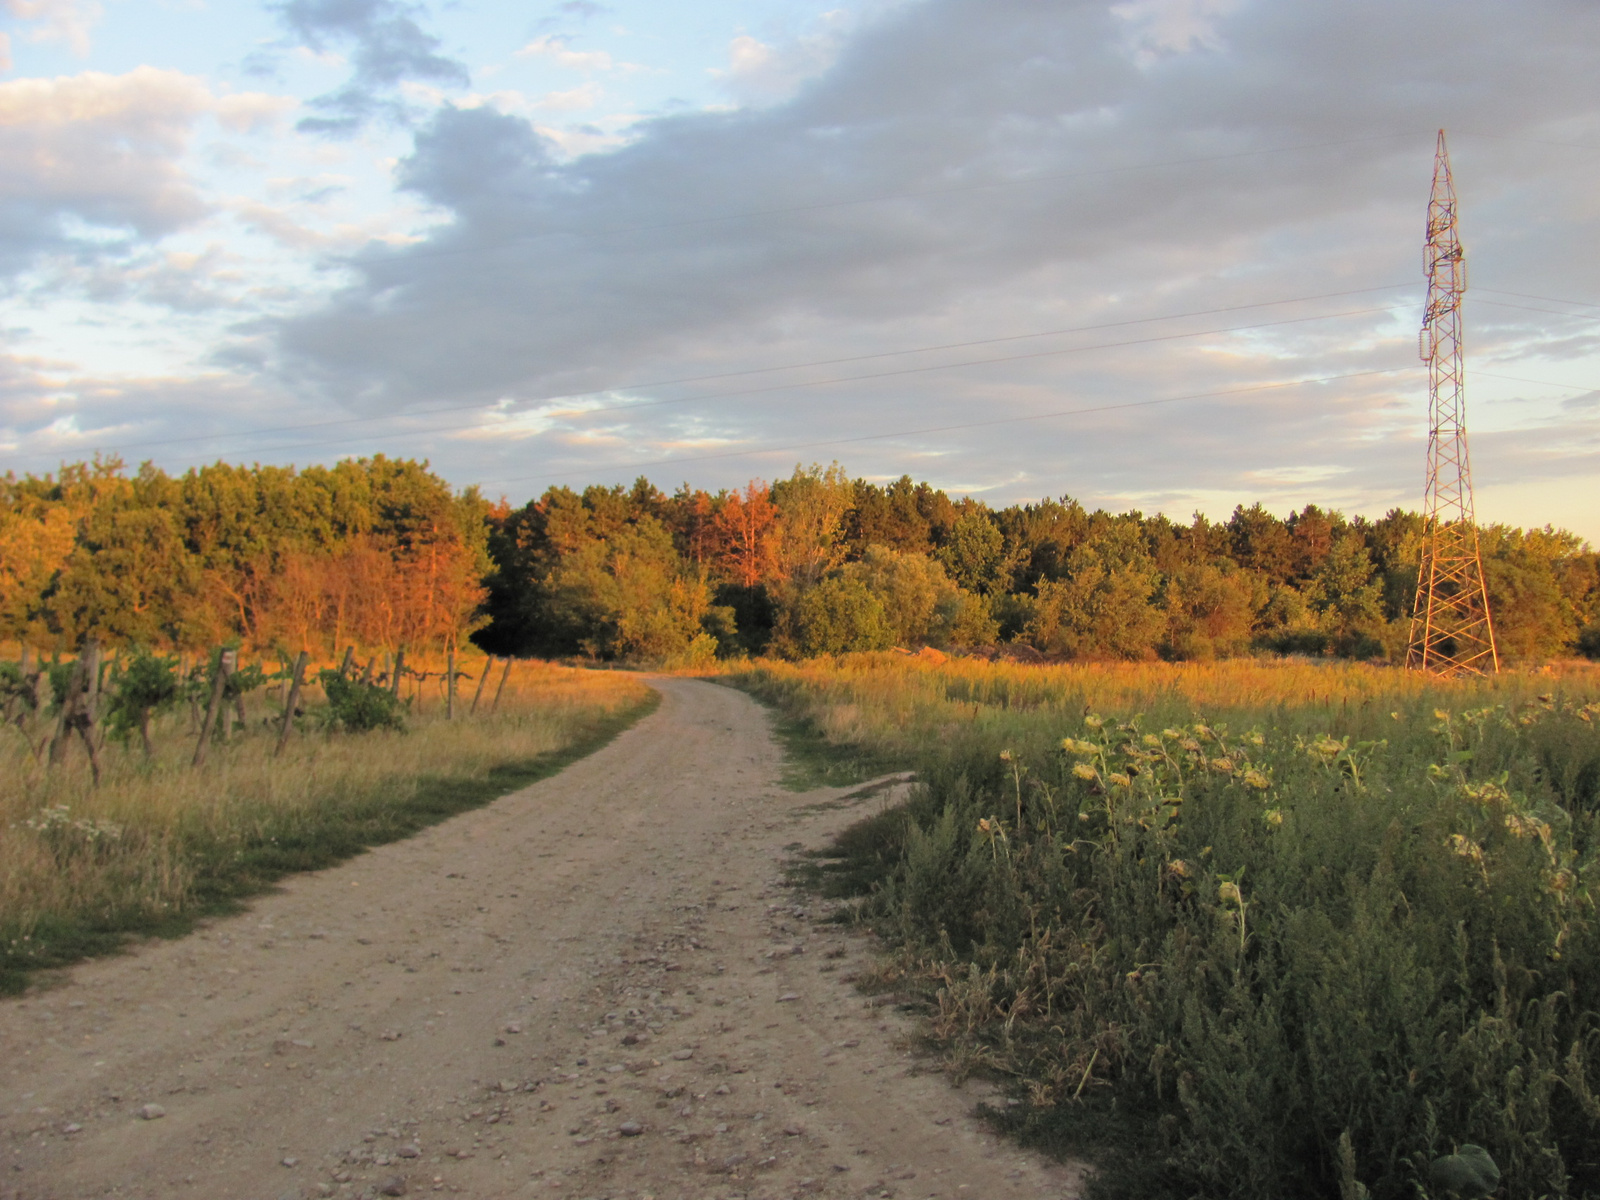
(160, 844)
(1248, 930)
(818, 752)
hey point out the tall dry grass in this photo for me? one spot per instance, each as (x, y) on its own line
(159, 840)
(894, 702)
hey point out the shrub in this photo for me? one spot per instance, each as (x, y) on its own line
(146, 685)
(356, 707)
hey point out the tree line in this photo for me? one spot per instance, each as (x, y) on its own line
(819, 562)
(375, 552)
(382, 553)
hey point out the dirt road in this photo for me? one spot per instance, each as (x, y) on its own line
(595, 987)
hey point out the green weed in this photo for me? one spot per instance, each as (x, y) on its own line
(1274, 949)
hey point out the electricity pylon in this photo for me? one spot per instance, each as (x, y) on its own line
(1451, 630)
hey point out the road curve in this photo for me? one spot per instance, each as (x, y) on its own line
(597, 986)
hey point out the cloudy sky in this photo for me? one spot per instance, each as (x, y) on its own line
(1161, 254)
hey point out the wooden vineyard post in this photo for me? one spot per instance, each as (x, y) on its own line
(225, 714)
(91, 698)
(289, 704)
(483, 678)
(349, 657)
(238, 709)
(399, 666)
(41, 702)
(22, 713)
(219, 685)
(67, 715)
(504, 675)
(194, 706)
(88, 719)
(450, 683)
(77, 710)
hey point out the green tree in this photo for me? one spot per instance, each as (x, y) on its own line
(890, 517)
(1533, 617)
(1347, 598)
(840, 615)
(965, 620)
(812, 506)
(1261, 542)
(1039, 537)
(974, 551)
(1210, 610)
(130, 578)
(911, 587)
(1103, 608)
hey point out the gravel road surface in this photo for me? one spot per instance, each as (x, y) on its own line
(596, 987)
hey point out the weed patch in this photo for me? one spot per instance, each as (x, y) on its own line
(1337, 939)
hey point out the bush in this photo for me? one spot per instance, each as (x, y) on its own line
(146, 685)
(356, 707)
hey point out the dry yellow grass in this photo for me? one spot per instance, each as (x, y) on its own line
(156, 837)
(890, 700)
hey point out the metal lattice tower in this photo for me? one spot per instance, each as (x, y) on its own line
(1451, 631)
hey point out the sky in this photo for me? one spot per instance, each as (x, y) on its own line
(1158, 254)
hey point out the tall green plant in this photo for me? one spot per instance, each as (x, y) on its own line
(1273, 962)
(143, 686)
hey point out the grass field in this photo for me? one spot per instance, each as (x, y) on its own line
(159, 842)
(1257, 929)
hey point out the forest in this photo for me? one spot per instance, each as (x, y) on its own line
(383, 554)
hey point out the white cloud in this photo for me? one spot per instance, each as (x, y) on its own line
(101, 156)
(557, 48)
(576, 99)
(951, 172)
(1157, 29)
(66, 21)
(252, 112)
(509, 100)
(763, 73)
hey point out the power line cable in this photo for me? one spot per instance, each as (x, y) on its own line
(1551, 311)
(870, 437)
(1546, 299)
(979, 362)
(1506, 137)
(1576, 387)
(877, 375)
(823, 362)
